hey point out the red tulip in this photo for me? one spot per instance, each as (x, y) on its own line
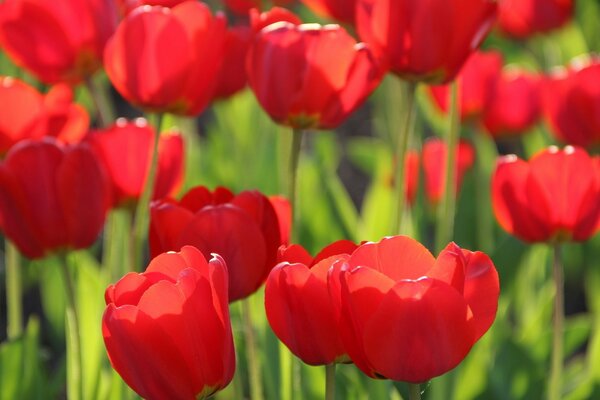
(232, 76)
(52, 197)
(434, 164)
(310, 76)
(167, 330)
(541, 201)
(244, 229)
(57, 41)
(477, 85)
(126, 6)
(426, 40)
(283, 209)
(126, 149)
(27, 114)
(341, 10)
(167, 59)
(571, 104)
(260, 20)
(243, 7)
(523, 18)
(409, 317)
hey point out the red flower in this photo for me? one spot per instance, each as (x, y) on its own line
(408, 317)
(553, 197)
(57, 41)
(434, 164)
(523, 18)
(260, 20)
(52, 197)
(425, 40)
(167, 59)
(515, 107)
(571, 104)
(243, 7)
(126, 6)
(477, 85)
(167, 330)
(244, 229)
(310, 76)
(126, 149)
(232, 76)
(27, 114)
(341, 10)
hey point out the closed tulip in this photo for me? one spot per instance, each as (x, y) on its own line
(53, 197)
(523, 18)
(167, 59)
(554, 197)
(340, 10)
(167, 330)
(310, 76)
(425, 40)
(244, 229)
(57, 41)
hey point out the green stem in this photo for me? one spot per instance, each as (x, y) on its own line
(14, 294)
(445, 227)
(140, 222)
(104, 111)
(485, 224)
(402, 142)
(555, 386)
(255, 380)
(330, 382)
(414, 391)
(293, 177)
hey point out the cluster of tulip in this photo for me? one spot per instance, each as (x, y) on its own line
(388, 306)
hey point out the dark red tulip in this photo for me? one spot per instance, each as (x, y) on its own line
(477, 85)
(340, 10)
(409, 317)
(53, 197)
(571, 104)
(553, 197)
(516, 105)
(27, 114)
(167, 330)
(434, 165)
(125, 150)
(310, 76)
(427, 40)
(523, 18)
(232, 76)
(59, 41)
(243, 7)
(167, 59)
(244, 229)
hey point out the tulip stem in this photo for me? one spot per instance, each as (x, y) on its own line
(555, 387)
(140, 227)
(255, 380)
(293, 177)
(14, 295)
(104, 111)
(414, 391)
(330, 381)
(445, 226)
(402, 142)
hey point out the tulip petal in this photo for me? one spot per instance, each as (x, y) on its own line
(167, 221)
(449, 267)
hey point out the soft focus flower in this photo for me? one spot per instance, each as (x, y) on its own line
(477, 83)
(571, 104)
(126, 6)
(434, 164)
(125, 150)
(425, 40)
(57, 41)
(167, 59)
(167, 330)
(409, 317)
(411, 176)
(244, 229)
(310, 76)
(242, 7)
(53, 197)
(553, 197)
(232, 76)
(341, 10)
(27, 114)
(260, 20)
(523, 18)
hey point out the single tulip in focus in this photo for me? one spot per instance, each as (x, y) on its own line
(340, 10)
(425, 40)
(434, 163)
(53, 197)
(167, 330)
(243, 7)
(167, 59)
(408, 316)
(310, 76)
(524, 18)
(125, 150)
(57, 41)
(553, 197)
(477, 85)
(571, 104)
(244, 229)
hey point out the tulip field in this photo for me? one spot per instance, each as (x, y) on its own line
(299, 199)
